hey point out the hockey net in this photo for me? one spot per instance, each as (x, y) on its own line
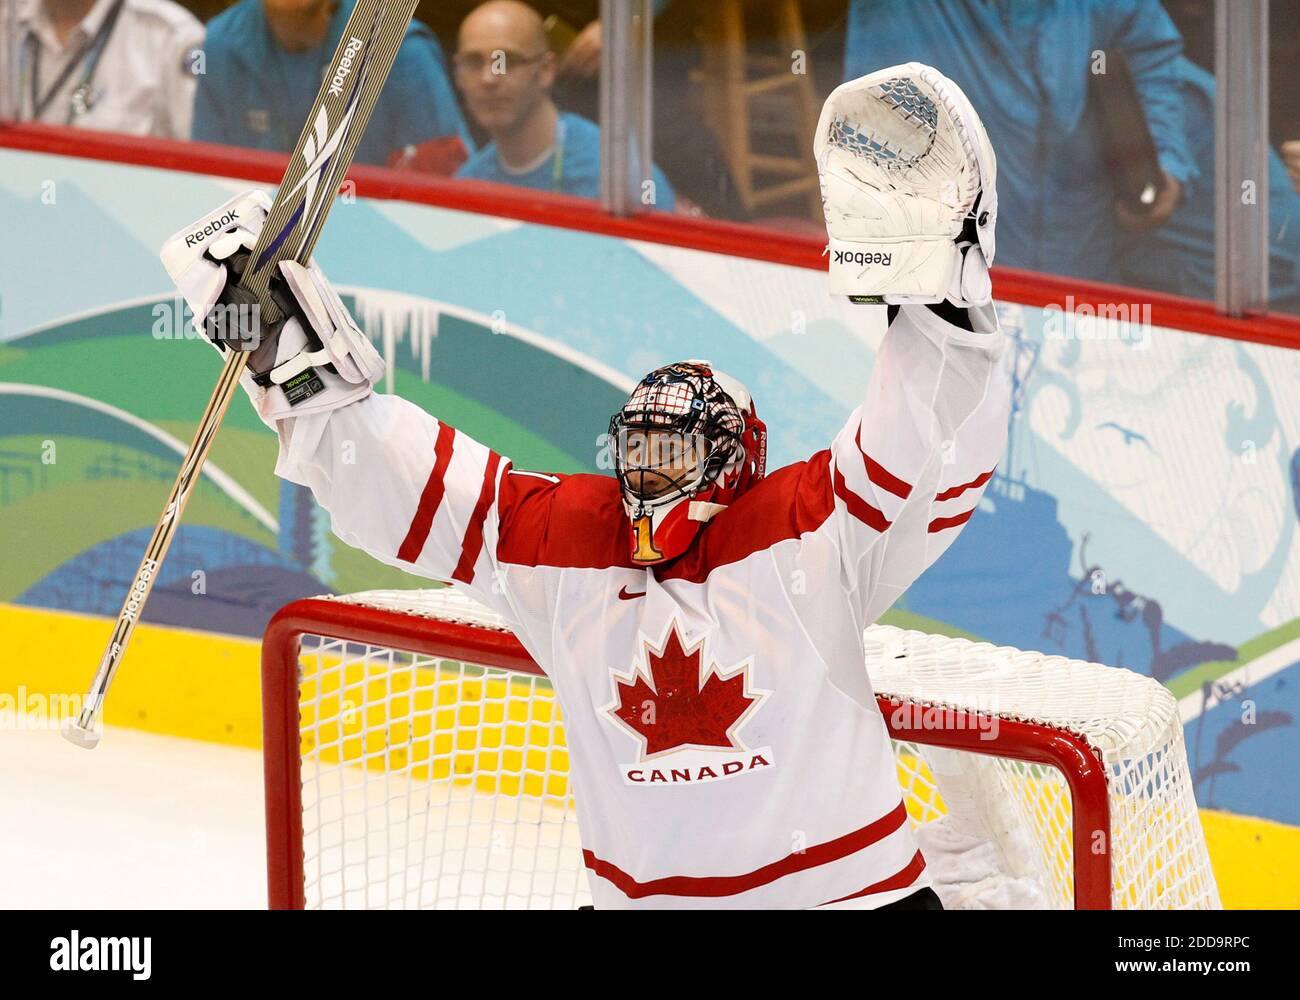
(415, 758)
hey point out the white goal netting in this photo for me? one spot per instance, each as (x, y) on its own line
(425, 779)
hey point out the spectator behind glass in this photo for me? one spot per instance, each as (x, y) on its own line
(113, 65)
(1025, 65)
(1178, 257)
(265, 63)
(684, 146)
(506, 71)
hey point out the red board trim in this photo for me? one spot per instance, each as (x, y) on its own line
(751, 242)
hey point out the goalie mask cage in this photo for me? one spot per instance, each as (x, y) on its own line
(415, 757)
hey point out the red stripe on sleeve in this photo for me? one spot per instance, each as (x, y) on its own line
(731, 885)
(956, 491)
(473, 542)
(431, 498)
(942, 523)
(858, 507)
(881, 476)
(885, 479)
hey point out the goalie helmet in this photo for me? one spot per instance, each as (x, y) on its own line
(686, 444)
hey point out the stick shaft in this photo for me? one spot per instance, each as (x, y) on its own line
(320, 161)
(163, 533)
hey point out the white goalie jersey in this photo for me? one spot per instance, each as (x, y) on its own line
(725, 745)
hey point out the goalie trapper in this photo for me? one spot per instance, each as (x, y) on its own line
(909, 189)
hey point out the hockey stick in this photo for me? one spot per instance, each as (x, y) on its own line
(360, 64)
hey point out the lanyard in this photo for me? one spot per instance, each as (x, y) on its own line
(557, 163)
(89, 58)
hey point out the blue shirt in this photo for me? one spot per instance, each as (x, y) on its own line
(1025, 64)
(572, 168)
(1178, 257)
(256, 95)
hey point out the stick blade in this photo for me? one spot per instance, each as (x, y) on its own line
(86, 738)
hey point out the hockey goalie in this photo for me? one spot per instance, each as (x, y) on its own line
(700, 618)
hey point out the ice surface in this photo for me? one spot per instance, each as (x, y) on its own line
(142, 821)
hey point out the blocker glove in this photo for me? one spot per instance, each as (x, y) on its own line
(314, 358)
(908, 182)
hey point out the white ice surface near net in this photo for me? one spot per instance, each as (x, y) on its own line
(144, 821)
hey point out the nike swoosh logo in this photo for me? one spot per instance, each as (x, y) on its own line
(623, 595)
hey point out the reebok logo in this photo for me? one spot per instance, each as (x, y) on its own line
(215, 226)
(345, 65)
(102, 954)
(140, 587)
(863, 258)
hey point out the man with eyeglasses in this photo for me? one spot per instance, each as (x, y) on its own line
(506, 72)
(265, 61)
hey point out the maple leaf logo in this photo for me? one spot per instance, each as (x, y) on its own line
(676, 706)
